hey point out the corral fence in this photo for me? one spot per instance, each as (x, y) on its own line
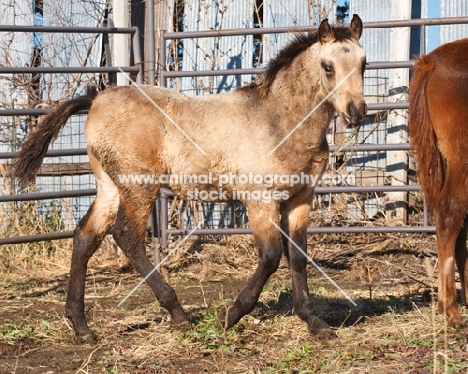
(159, 223)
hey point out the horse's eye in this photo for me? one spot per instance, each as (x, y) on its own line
(328, 69)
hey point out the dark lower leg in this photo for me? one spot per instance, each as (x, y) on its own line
(163, 292)
(268, 239)
(129, 233)
(248, 298)
(461, 259)
(85, 243)
(303, 306)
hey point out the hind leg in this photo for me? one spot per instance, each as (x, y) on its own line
(450, 214)
(270, 247)
(294, 218)
(129, 233)
(461, 258)
(87, 237)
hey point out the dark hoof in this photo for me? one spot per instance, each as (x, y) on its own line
(181, 320)
(182, 325)
(319, 327)
(88, 338)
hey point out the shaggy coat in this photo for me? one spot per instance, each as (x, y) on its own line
(276, 128)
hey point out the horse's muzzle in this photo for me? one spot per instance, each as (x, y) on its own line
(356, 114)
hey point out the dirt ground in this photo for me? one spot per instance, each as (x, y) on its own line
(393, 328)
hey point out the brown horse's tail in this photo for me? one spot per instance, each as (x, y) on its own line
(431, 163)
(29, 159)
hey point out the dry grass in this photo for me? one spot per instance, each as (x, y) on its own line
(393, 329)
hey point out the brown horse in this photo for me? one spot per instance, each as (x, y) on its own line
(437, 115)
(275, 128)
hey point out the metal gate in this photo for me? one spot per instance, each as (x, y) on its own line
(161, 211)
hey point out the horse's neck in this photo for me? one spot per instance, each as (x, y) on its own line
(296, 88)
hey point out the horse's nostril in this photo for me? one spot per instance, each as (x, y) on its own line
(360, 111)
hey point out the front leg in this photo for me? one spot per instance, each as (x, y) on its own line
(294, 219)
(268, 239)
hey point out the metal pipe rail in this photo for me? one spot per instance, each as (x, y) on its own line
(165, 36)
(312, 230)
(37, 237)
(211, 73)
(132, 31)
(166, 193)
(47, 195)
(298, 29)
(69, 30)
(67, 69)
(38, 112)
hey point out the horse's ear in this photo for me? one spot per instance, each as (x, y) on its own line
(325, 32)
(356, 27)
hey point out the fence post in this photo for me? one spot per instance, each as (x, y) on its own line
(121, 42)
(397, 131)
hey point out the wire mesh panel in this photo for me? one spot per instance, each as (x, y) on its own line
(35, 90)
(15, 50)
(61, 50)
(282, 13)
(215, 53)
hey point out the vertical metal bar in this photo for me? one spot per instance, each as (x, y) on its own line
(422, 49)
(162, 59)
(163, 222)
(136, 54)
(426, 214)
(155, 232)
(108, 52)
(422, 46)
(151, 44)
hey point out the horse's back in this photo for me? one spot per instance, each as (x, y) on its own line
(124, 128)
(447, 95)
(437, 116)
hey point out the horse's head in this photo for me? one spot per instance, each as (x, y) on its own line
(342, 62)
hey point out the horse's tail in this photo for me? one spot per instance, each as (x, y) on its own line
(29, 159)
(431, 163)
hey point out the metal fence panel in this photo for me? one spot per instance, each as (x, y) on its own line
(216, 53)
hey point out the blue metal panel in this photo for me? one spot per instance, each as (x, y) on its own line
(216, 53)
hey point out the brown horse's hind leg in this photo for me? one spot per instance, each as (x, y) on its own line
(294, 222)
(129, 233)
(461, 258)
(268, 239)
(88, 236)
(450, 214)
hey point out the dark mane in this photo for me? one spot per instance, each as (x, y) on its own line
(286, 56)
(293, 49)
